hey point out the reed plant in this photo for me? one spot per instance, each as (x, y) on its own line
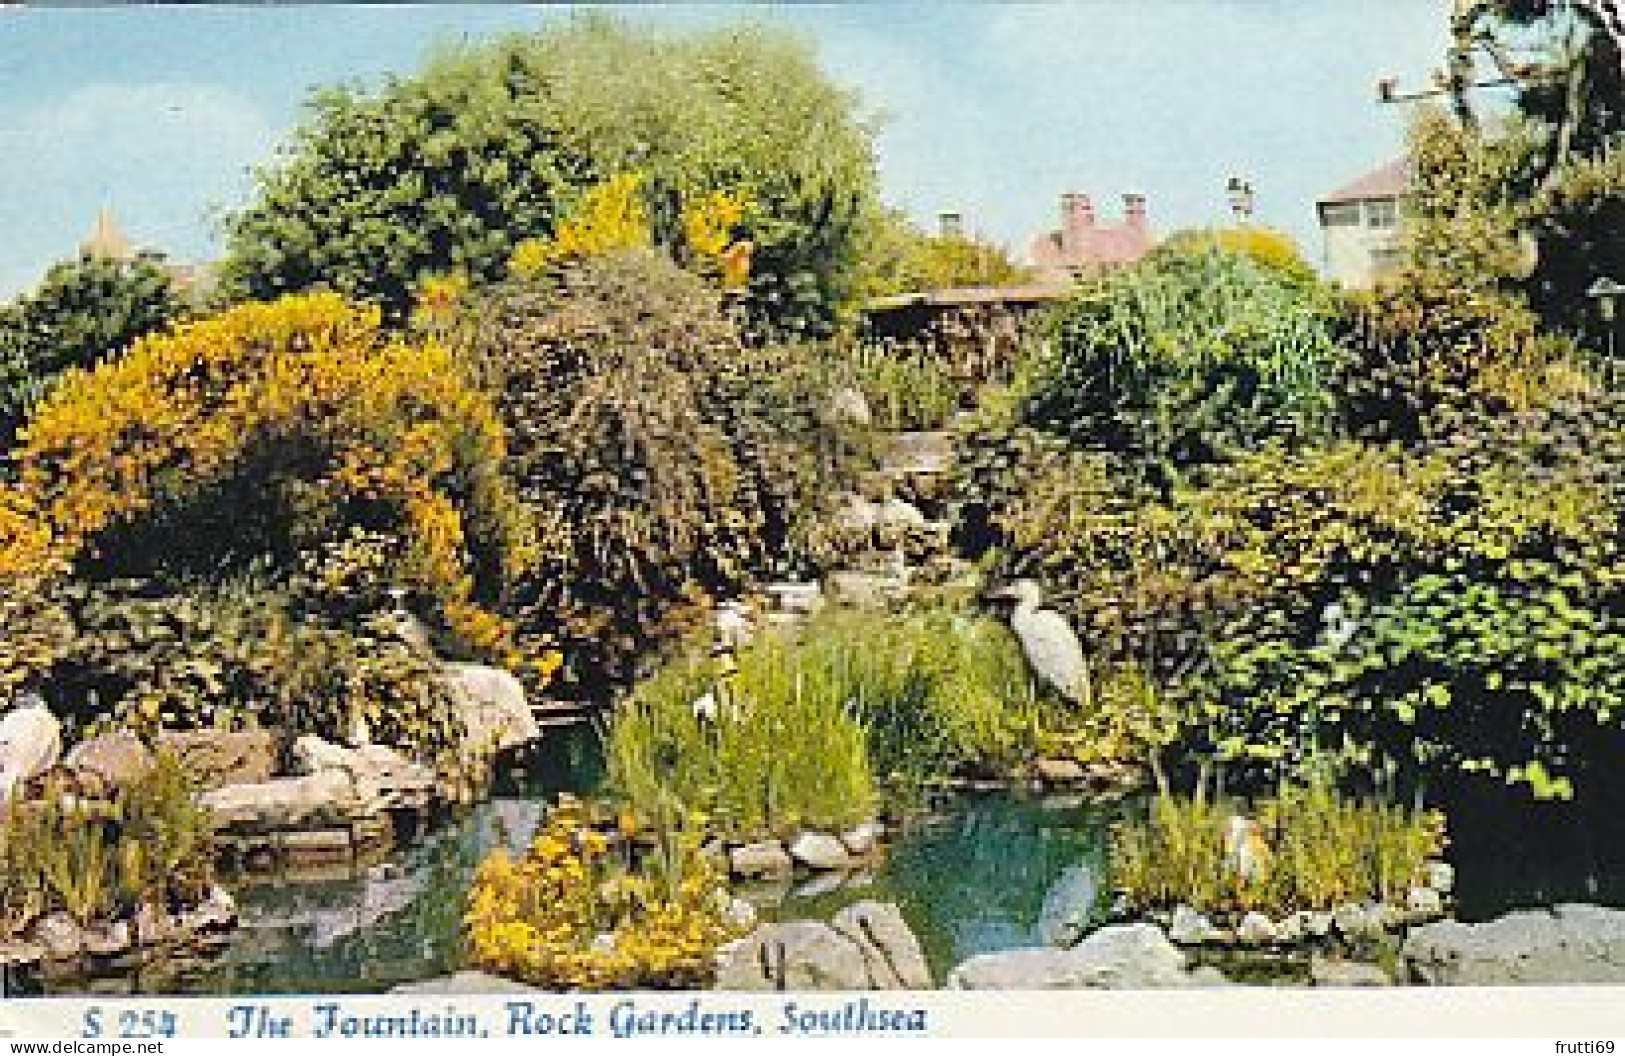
(1320, 850)
(93, 860)
(810, 731)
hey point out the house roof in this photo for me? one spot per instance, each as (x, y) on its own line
(106, 240)
(1097, 244)
(1388, 181)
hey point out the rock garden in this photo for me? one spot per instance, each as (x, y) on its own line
(1156, 636)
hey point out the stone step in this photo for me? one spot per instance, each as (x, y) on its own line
(917, 453)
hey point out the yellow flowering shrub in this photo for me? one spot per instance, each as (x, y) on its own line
(612, 217)
(331, 421)
(578, 913)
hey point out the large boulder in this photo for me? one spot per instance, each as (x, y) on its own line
(889, 948)
(383, 778)
(30, 744)
(1118, 957)
(216, 758)
(802, 955)
(821, 850)
(329, 796)
(108, 762)
(1572, 943)
(491, 706)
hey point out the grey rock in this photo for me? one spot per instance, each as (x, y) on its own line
(465, 983)
(738, 913)
(217, 912)
(1256, 929)
(1059, 771)
(1326, 971)
(109, 761)
(1423, 903)
(1291, 929)
(1069, 906)
(849, 406)
(755, 860)
(1188, 927)
(62, 937)
(153, 925)
(1573, 943)
(1358, 921)
(15, 954)
(898, 515)
(889, 947)
(287, 802)
(802, 955)
(802, 598)
(1317, 923)
(1441, 876)
(919, 452)
(862, 840)
(491, 705)
(820, 850)
(1124, 956)
(215, 758)
(383, 778)
(865, 590)
(30, 744)
(109, 939)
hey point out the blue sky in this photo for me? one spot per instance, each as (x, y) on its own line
(990, 109)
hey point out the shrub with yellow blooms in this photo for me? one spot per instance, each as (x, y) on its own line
(585, 910)
(614, 216)
(304, 408)
(203, 531)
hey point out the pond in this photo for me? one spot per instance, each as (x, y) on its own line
(982, 873)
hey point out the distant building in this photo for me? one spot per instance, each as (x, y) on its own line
(106, 241)
(1359, 225)
(1083, 244)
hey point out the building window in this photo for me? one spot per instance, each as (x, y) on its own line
(1381, 212)
(1340, 214)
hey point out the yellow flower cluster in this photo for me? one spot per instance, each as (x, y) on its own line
(184, 410)
(583, 912)
(611, 216)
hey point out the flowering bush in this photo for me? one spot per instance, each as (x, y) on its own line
(579, 913)
(265, 432)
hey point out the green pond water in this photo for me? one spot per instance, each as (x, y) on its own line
(981, 873)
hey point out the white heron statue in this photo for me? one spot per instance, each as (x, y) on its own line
(1048, 641)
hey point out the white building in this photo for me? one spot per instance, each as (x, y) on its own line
(1359, 225)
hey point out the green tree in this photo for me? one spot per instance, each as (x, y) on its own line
(492, 144)
(1539, 204)
(83, 311)
(901, 258)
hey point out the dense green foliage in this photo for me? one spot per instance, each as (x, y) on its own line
(1187, 359)
(490, 145)
(649, 444)
(808, 730)
(1320, 851)
(898, 257)
(153, 846)
(82, 312)
(207, 527)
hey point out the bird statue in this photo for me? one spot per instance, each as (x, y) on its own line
(1052, 648)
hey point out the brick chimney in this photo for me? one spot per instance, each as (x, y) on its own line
(1077, 216)
(1134, 211)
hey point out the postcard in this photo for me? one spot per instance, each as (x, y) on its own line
(854, 520)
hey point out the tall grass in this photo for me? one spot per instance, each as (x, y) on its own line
(819, 725)
(1324, 850)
